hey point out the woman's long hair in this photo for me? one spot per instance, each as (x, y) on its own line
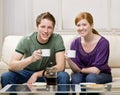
(88, 17)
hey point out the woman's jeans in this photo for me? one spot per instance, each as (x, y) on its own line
(102, 78)
(22, 76)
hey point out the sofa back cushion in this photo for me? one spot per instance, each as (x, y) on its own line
(9, 45)
(11, 41)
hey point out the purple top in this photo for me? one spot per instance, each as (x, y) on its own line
(98, 57)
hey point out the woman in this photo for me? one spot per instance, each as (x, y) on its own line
(92, 53)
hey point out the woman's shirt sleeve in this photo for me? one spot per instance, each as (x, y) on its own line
(102, 56)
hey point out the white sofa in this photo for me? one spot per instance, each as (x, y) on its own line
(11, 41)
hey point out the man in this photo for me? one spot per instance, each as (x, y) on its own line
(32, 67)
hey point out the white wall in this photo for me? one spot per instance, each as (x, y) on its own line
(98, 8)
(105, 12)
(115, 14)
(0, 26)
(17, 17)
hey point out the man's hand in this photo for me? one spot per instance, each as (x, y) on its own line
(32, 79)
(36, 55)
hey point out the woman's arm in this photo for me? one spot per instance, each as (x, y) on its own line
(100, 63)
(90, 70)
(73, 66)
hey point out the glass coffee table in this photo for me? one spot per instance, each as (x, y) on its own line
(43, 88)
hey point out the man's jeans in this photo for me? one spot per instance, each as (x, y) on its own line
(102, 78)
(23, 76)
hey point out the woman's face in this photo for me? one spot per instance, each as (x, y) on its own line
(45, 30)
(84, 28)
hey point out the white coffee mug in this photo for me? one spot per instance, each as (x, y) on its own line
(45, 52)
(71, 53)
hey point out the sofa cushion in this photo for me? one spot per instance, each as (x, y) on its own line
(115, 72)
(114, 59)
(3, 67)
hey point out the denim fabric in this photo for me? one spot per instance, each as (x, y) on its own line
(101, 78)
(22, 76)
(96, 78)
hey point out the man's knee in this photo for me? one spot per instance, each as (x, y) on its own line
(6, 75)
(64, 77)
(6, 78)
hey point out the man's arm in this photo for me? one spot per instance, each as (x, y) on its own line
(60, 61)
(60, 66)
(17, 63)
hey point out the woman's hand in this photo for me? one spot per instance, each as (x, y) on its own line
(90, 70)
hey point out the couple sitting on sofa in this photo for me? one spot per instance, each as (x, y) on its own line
(89, 65)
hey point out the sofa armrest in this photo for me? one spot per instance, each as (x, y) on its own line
(3, 67)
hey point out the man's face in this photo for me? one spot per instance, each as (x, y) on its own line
(45, 30)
